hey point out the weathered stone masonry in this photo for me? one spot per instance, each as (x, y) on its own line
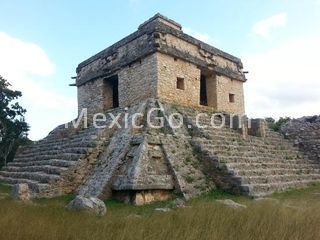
(305, 133)
(150, 63)
(159, 66)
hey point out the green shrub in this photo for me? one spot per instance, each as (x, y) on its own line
(276, 125)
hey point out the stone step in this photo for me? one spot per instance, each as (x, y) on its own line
(216, 129)
(244, 146)
(86, 134)
(35, 176)
(251, 154)
(279, 143)
(84, 145)
(260, 165)
(265, 189)
(48, 147)
(70, 130)
(247, 151)
(311, 140)
(42, 148)
(76, 140)
(64, 156)
(216, 122)
(43, 162)
(275, 136)
(260, 160)
(277, 178)
(221, 132)
(246, 143)
(51, 162)
(42, 168)
(275, 171)
(239, 140)
(33, 185)
(80, 150)
(243, 166)
(71, 136)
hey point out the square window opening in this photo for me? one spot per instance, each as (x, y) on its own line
(231, 98)
(180, 83)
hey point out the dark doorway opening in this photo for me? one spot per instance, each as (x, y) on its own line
(111, 92)
(203, 91)
(115, 91)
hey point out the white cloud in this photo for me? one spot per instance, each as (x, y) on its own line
(284, 81)
(204, 37)
(264, 27)
(20, 58)
(22, 63)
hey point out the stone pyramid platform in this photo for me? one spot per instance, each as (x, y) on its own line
(140, 165)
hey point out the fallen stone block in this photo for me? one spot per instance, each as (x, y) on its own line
(21, 192)
(265, 199)
(91, 204)
(162, 209)
(232, 204)
(178, 203)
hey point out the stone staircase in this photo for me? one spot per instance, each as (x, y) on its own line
(95, 161)
(255, 166)
(44, 164)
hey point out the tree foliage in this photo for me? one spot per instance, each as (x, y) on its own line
(276, 125)
(13, 128)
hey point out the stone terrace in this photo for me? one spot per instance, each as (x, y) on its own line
(143, 165)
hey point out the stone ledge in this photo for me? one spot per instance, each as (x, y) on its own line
(158, 26)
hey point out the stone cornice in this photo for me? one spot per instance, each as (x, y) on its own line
(151, 28)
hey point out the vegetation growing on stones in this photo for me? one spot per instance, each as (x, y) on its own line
(277, 124)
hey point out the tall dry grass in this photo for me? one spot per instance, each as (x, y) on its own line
(291, 216)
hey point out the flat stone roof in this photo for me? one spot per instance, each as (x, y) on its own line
(162, 24)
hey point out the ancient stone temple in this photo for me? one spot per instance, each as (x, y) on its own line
(167, 64)
(160, 68)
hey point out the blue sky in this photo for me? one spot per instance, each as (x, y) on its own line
(41, 43)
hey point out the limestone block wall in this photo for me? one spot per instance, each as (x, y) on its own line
(138, 81)
(225, 87)
(169, 69)
(148, 63)
(218, 86)
(156, 76)
(90, 96)
(130, 50)
(258, 127)
(195, 51)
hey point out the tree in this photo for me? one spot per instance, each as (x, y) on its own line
(13, 128)
(276, 125)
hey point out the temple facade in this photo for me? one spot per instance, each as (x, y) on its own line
(160, 61)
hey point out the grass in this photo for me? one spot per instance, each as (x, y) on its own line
(294, 214)
(4, 189)
(189, 179)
